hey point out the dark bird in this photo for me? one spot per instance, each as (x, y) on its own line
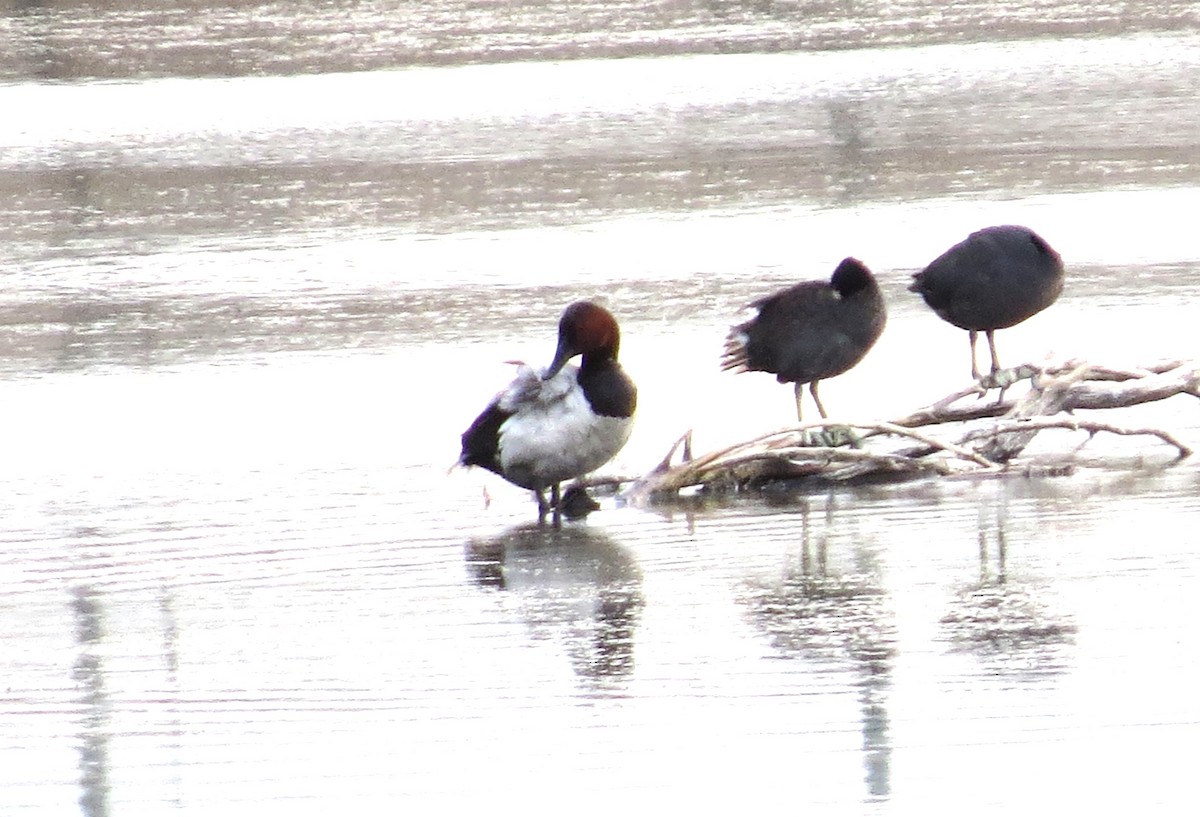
(565, 422)
(993, 279)
(811, 331)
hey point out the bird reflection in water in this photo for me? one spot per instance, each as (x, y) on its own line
(1000, 617)
(94, 705)
(573, 585)
(838, 617)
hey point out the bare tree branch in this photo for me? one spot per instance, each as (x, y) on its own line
(837, 451)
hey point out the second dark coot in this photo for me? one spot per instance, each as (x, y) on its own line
(993, 279)
(810, 332)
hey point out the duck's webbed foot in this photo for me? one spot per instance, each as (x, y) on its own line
(577, 503)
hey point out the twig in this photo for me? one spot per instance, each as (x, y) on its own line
(957, 450)
(1093, 427)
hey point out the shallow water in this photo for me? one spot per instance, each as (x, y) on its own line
(260, 271)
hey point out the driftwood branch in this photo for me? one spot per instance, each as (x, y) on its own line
(1094, 391)
(1092, 427)
(836, 451)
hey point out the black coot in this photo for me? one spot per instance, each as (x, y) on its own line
(811, 331)
(993, 279)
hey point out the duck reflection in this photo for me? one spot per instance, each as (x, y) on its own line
(835, 615)
(1000, 617)
(572, 584)
(89, 675)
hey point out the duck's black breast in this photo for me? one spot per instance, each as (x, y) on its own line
(995, 278)
(809, 332)
(609, 391)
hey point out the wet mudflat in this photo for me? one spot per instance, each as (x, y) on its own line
(261, 270)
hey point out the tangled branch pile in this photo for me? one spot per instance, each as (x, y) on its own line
(910, 445)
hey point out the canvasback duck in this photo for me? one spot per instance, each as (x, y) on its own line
(993, 279)
(811, 331)
(567, 421)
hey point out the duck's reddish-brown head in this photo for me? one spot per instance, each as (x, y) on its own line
(586, 329)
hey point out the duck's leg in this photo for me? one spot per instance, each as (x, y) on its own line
(555, 503)
(799, 396)
(812, 387)
(543, 508)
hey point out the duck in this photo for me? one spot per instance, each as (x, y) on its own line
(993, 279)
(810, 332)
(561, 423)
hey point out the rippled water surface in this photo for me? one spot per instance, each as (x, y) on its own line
(261, 266)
